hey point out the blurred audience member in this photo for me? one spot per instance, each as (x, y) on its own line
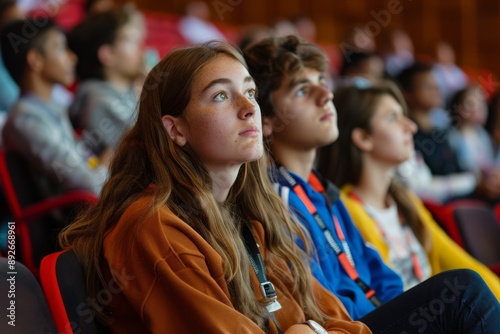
(196, 27)
(109, 46)
(492, 125)
(396, 48)
(9, 91)
(448, 75)
(306, 27)
(362, 69)
(357, 40)
(284, 28)
(432, 143)
(468, 137)
(254, 34)
(471, 141)
(36, 128)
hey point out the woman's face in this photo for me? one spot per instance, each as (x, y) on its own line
(474, 108)
(390, 140)
(222, 121)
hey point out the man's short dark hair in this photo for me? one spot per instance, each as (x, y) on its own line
(95, 31)
(406, 78)
(18, 38)
(355, 60)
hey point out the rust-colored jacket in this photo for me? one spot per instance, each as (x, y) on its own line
(168, 279)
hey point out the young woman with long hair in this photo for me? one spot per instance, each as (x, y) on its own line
(187, 201)
(376, 137)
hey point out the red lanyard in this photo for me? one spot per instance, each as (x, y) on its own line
(417, 268)
(344, 255)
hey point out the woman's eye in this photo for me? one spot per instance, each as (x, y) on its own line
(251, 94)
(222, 96)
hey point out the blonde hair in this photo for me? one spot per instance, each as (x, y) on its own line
(147, 155)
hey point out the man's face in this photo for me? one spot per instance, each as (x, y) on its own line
(128, 51)
(426, 93)
(58, 61)
(305, 117)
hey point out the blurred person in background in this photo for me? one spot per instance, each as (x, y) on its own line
(109, 46)
(195, 25)
(9, 91)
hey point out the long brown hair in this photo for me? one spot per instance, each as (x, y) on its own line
(342, 161)
(147, 155)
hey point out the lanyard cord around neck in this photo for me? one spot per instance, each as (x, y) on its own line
(417, 268)
(343, 254)
(266, 287)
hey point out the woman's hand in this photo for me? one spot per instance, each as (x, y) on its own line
(299, 329)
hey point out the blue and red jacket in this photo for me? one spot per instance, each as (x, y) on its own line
(325, 264)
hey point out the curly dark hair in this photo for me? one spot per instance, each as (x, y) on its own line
(276, 58)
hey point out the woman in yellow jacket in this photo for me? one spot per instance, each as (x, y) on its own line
(375, 137)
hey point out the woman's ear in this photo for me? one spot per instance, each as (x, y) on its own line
(361, 139)
(174, 129)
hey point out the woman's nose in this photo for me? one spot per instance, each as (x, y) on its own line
(247, 108)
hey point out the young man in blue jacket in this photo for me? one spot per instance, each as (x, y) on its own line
(382, 283)
(298, 117)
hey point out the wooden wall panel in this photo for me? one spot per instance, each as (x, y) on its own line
(472, 27)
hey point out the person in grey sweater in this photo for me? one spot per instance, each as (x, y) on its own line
(36, 129)
(109, 46)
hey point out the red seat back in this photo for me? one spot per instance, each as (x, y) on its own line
(474, 226)
(63, 284)
(26, 204)
(480, 232)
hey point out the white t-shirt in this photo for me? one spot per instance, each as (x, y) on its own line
(406, 254)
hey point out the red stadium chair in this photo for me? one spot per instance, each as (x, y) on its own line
(480, 232)
(63, 284)
(26, 205)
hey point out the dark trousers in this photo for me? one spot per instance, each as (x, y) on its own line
(455, 301)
